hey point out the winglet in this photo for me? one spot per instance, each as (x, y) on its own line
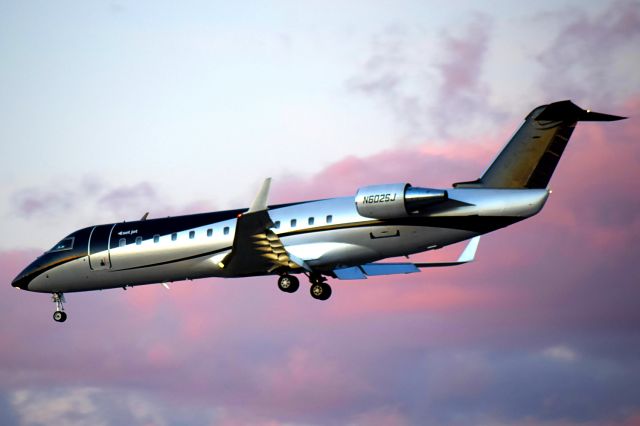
(260, 203)
(467, 255)
(469, 252)
(146, 215)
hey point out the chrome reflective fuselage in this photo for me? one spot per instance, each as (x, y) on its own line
(325, 234)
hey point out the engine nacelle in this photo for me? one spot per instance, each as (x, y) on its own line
(395, 200)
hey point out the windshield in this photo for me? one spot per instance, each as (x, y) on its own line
(66, 244)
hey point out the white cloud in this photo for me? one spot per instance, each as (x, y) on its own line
(560, 353)
(97, 406)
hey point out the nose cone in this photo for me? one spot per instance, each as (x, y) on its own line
(21, 281)
(24, 278)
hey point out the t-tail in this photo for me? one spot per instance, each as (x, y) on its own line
(532, 154)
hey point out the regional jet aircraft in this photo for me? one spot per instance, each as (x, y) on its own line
(343, 238)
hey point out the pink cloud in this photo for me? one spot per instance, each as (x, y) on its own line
(563, 278)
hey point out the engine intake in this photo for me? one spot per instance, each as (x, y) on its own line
(396, 200)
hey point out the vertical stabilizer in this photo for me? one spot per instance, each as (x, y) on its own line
(532, 154)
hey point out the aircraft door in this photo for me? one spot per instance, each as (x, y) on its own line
(99, 258)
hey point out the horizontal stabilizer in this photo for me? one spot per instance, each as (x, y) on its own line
(568, 111)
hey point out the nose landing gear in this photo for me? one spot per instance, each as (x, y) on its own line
(59, 315)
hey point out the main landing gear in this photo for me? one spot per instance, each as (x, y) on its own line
(319, 290)
(59, 315)
(288, 283)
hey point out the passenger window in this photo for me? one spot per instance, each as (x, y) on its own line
(311, 220)
(209, 232)
(174, 236)
(293, 223)
(277, 224)
(226, 230)
(192, 234)
(156, 238)
(138, 241)
(329, 218)
(122, 242)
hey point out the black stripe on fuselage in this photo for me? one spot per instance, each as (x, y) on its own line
(182, 259)
(165, 226)
(477, 224)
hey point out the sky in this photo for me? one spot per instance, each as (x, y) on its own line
(109, 109)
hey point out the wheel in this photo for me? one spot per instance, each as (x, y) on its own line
(59, 316)
(288, 283)
(320, 291)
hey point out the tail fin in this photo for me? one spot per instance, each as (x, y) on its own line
(532, 154)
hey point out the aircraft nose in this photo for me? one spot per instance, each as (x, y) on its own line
(22, 280)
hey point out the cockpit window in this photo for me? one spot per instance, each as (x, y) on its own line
(66, 244)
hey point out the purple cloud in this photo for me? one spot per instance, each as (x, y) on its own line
(37, 202)
(429, 97)
(540, 330)
(594, 58)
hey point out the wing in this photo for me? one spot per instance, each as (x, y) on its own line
(361, 272)
(256, 248)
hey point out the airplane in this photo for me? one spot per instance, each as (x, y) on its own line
(344, 238)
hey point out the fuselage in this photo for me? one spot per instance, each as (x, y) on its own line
(324, 234)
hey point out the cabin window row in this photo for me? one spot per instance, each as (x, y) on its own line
(192, 234)
(156, 238)
(310, 221)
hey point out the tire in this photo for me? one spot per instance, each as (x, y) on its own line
(59, 316)
(320, 291)
(327, 291)
(288, 283)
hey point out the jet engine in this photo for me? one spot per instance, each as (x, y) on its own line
(396, 200)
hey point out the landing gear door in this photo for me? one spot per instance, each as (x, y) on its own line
(99, 258)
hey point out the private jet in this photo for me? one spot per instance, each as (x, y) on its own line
(345, 238)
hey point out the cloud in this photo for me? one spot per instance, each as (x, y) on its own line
(432, 84)
(74, 405)
(560, 353)
(36, 201)
(93, 200)
(541, 329)
(594, 57)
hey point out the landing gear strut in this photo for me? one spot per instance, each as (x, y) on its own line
(288, 283)
(319, 290)
(59, 315)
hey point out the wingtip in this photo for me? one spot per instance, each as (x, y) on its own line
(260, 202)
(469, 252)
